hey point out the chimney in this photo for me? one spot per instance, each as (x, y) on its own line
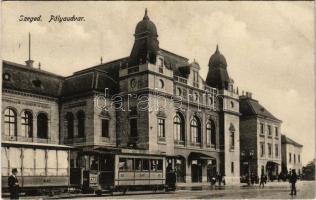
(29, 62)
(250, 95)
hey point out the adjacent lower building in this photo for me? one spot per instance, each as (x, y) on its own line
(260, 139)
(291, 155)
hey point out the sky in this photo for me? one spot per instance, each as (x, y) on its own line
(269, 46)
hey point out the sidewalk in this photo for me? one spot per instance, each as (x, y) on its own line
(207, 185)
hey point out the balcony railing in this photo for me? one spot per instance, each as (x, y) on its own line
(196, 144)
(161, 139)
(180, 79)
(179, 142)
(19, 138)
(133, 70)
(75, 140)
(212, 146)
(196, 84)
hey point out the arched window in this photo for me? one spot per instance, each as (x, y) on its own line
(10, 122)
(178, 127)
(27, 124)
(195, 127)
(210, 133)
(70, 124)
(42, 126)
(81, 123)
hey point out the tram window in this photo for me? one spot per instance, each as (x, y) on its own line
(159, 165)
(153, 165)
(145, 164)
(72, 163)
(94, 164)
(138, 164)
(126, 164)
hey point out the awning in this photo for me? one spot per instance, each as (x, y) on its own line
(176, 157)
(200, 156)
(99, 151)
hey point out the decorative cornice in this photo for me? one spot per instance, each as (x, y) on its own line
(30, 94)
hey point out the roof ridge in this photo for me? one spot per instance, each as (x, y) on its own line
(251, 107)
(32, 69)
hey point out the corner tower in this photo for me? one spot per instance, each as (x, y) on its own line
(217, 76)
(228, 116)
(146, 45)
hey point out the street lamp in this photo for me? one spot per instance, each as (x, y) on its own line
(248, 155)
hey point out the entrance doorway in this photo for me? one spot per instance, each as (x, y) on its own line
(272, 170)
(211, 169)
(196, 171)
(180, 169)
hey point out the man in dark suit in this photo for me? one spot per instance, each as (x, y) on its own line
(13, 184)
(293, 179)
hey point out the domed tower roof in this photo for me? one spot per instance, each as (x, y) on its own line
(217, 76)
(146, 26)
(146, 45)
(217, 59)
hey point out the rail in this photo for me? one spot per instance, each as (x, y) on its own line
(180, 79)
(27, 139)
(36, 171)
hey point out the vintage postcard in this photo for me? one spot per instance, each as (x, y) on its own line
(158, 100)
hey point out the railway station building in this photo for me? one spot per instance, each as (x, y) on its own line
(151, 102)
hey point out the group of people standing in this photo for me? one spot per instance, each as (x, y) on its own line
(219, 178)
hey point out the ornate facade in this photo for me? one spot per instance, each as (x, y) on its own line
(151, 102)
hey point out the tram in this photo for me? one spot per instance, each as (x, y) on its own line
(42, 168)
(120, 172)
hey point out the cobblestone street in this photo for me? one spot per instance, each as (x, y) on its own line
(276, 190)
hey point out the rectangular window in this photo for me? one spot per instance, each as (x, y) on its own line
(133, 127)
(276, 132)
(290, 157)
(262, 149)
(261, 128)
(161, 128)
(160, 65)
(299, 158)
(276, 150)
(145, 165)
(232, 167)
(294, 158)
(269, 130)
(126, 164)
(232, 139)
(138, 164)
(269, 150)
(105, 127)
(72, 163)
(155, 165)
(195, 79)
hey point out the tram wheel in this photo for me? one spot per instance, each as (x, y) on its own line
(124, 190)
(98, 192)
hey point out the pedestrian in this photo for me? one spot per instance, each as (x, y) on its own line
(252, 178)
(220, 179)
(293, 179)
(262, 180)
(13, 184)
